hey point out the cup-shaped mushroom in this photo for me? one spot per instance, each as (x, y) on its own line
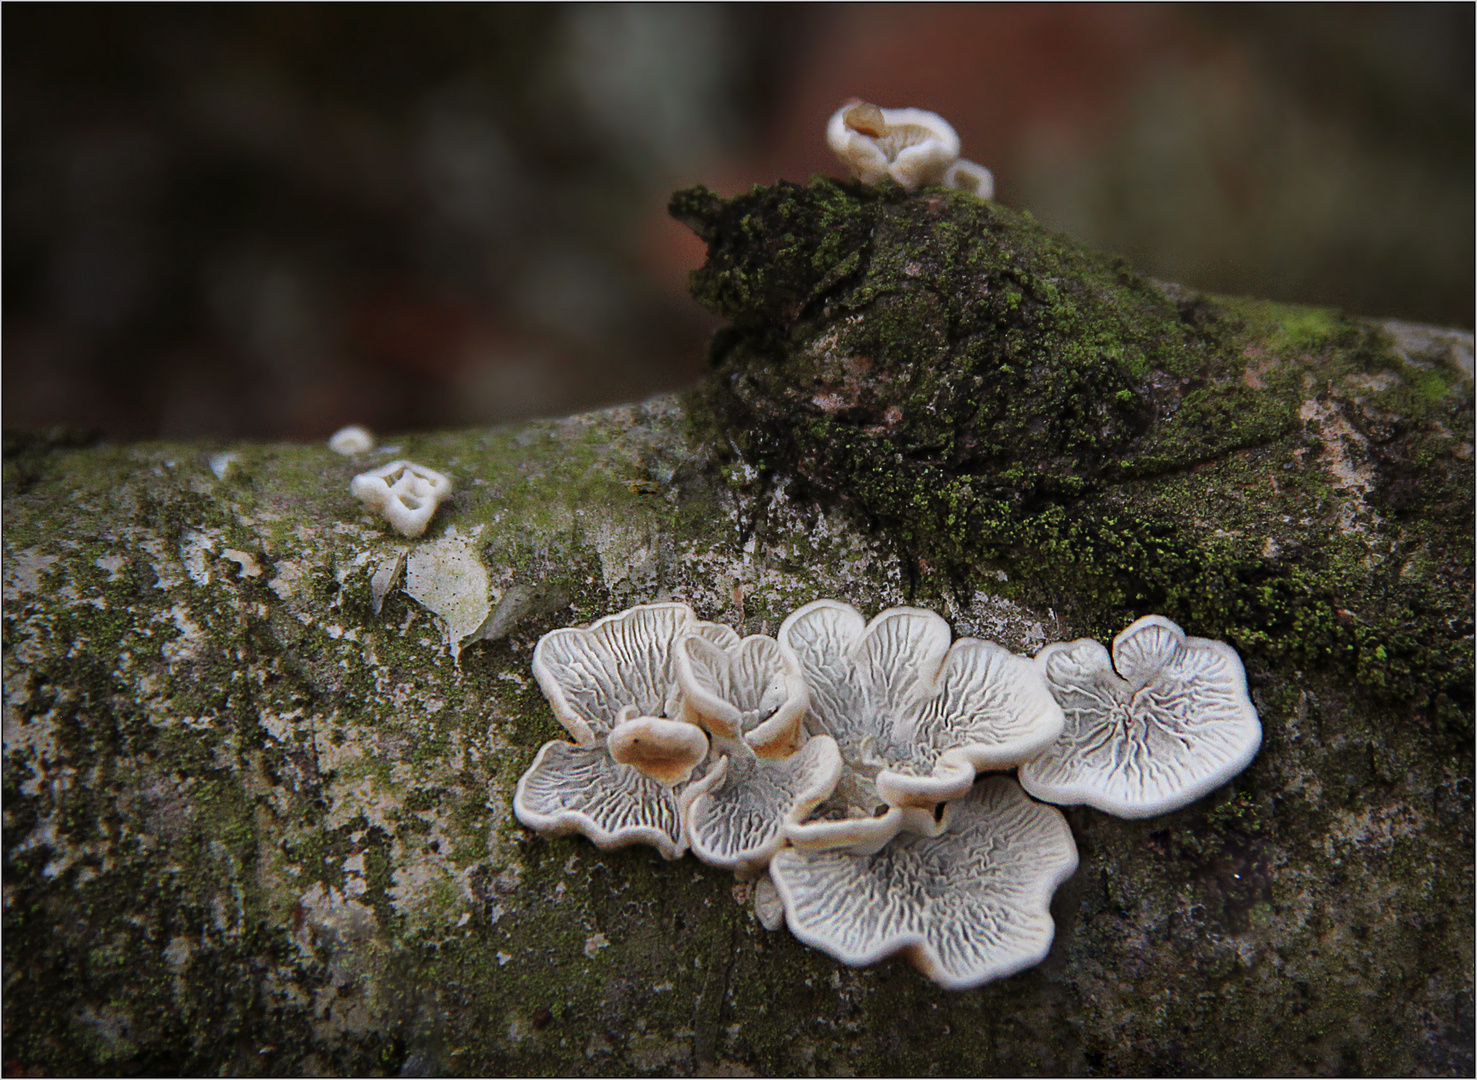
(622, 665)
(747, 689)
(735, 816)
(666, 751)
(1171, 724)
(902, 702)
(581, 789)
(407, 494)
(912, 147)
(966, 905)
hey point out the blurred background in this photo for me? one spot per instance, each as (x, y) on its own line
(268, 221)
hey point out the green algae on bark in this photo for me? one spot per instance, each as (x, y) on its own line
(1002, 400)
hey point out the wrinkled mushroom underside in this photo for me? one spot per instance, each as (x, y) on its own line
(739, 824)
(966, 907)
(1144, 747)
(582, 789)
(623, 663)
(750, 678)
(896, 694)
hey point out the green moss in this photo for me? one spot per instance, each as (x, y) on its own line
(996, 396)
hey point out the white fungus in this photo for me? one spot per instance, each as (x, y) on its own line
(920, 715)
(837, 765)
(910, 147)
(1172, 724)
(351, 440)
(967, 905)
(607, 684)
(407, 494)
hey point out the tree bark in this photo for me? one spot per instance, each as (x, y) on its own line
(257, 804)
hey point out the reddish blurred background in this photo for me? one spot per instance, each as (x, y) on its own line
(271, 220)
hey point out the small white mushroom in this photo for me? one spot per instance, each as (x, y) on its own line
(769, 909)
(351, 440)
(859, 834)
(407, 494)
(621, 666)
(581, 789)
(975, 179)
(912, 147)
(966, 906)
(904, 705)
(750, 690)
(1172, 724)
(614, 688)
(735, 816)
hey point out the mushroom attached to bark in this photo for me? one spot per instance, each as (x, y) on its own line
(665, 750)
(966, 906)
(912, 147)
(407, 494)
(351, 440)
(614, 688)
(906, 707)
(735, 816)
(751, 697)
(745, 689)
(1173, 723)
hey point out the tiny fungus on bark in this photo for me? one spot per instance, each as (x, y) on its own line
(351, 440)
(910, 147)
(614, 688)
(966, 905)
(1171, 724)
(911, 710)
(407, 494)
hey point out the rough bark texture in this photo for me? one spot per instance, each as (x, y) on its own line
(254, 825)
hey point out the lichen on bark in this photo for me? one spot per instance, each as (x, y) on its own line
(254, 825)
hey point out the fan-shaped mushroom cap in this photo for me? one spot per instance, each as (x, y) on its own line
(1172, 724)
(407, 494)
(966, 906)
(747, 689)
(582, 789)
(900, 700)
(735, 816)
(913, 147)
(624, 665)
(664, 750)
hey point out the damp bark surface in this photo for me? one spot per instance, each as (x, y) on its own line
(257, 795)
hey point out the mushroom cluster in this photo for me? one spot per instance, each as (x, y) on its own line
(909, 147)
(838, 763)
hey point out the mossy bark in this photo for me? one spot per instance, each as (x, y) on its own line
(254, 824)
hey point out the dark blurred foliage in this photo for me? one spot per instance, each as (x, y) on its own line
(270, 220)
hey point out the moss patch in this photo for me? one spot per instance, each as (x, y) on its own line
(995, 395)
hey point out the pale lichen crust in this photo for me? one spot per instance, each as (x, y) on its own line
(1172, 724)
